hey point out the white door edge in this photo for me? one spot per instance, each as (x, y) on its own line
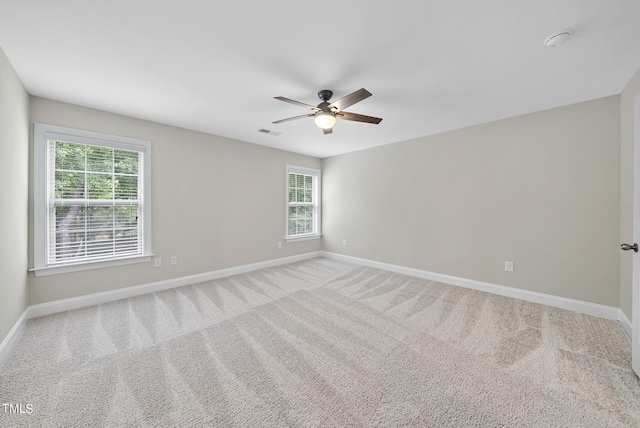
(635, 314)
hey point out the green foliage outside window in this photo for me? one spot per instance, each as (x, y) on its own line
(95, 193)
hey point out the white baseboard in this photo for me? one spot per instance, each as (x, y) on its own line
(13, 335)
(624, 321)
(602, 311)
(125, 293)
(49, 308)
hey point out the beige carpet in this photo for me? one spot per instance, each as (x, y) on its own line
(321, 343)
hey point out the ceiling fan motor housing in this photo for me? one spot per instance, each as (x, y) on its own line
(324, 106)
(325, 94)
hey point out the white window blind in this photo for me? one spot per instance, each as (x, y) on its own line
(93, 202)
(91, 198)
(303, 210)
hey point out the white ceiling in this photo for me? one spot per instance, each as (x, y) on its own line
(215, 66)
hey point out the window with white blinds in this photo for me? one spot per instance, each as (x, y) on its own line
(303, 207)
(92, 199)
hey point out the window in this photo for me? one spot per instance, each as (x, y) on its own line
(91, 200)
(303, 205)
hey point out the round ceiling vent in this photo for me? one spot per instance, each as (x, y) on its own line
(557, 39)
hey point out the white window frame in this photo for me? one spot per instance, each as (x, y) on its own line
(316, 202)
(44, 133)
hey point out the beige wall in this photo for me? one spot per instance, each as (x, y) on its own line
(546, 191)
(627, 114)
(217, 202)
(14, 176)
(541, 190)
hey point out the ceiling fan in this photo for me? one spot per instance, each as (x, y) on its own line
(325, 114)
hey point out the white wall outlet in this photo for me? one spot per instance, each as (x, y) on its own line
(157, 262)
(279, 244)
(344, 242)
(508, 266)
(174, 260)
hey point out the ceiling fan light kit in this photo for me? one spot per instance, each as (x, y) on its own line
(324, 120)
(325, 115)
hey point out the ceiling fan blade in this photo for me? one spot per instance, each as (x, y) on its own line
(345, 115)
(294, 118)
(297, 103)
(327, 131)
(351, 99)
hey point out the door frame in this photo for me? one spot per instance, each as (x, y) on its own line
(635, 294)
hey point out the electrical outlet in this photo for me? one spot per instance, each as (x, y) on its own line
(508, 266)
(344, 242)
(279, 244)
(174, 260)
(157, 262)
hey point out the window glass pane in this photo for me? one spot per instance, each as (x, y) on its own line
(99, 245)
(69, 185)
(307, 195)
(99, 159)
(69, 156)
(99, 186)
(127, 241)
(308, 181)
(99, 218)
(301, 227)
(126, 217)
(125, 162)
(126, 187)
(292, 180)
(70, 233)
(70, 219)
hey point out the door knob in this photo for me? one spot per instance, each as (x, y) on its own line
(627, 247)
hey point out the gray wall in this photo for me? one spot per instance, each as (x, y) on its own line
(217, 203)
(541, 190)
(14, 176)
(627, 114)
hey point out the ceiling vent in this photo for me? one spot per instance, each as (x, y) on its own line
(272, 133)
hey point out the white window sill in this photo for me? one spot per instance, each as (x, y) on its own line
(98, 264)
(303, 237)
